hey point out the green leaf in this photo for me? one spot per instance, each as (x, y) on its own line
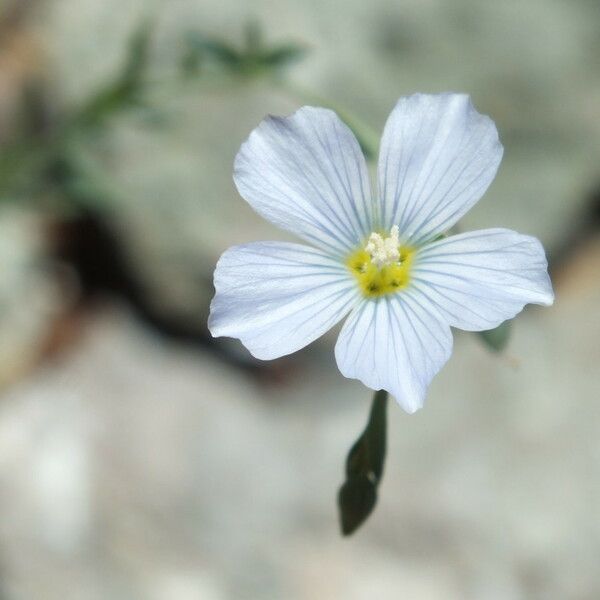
(357, 499)
(496, 339)
(254, 58)
(200, 48)
(364, 468)
(282, 56)
(125, 90)
(38, 158)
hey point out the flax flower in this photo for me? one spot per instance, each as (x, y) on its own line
(379, 260)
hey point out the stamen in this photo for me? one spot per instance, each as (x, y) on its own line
(381, 266)
(384, 251)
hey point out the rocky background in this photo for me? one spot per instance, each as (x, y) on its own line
(139, 459)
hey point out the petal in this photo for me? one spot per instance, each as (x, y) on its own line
(278, 297)
(306, 173)
(394, 343)
(480, 279)
(438, 156)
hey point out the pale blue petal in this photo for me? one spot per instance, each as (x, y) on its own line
(479, 279)
(306, 173)
(395, 343)
(278, 297)
(438, 156)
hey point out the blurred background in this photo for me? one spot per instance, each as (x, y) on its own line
(139, 458)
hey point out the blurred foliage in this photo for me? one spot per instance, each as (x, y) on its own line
(254, 58)
(127, 89)
(364, 468)
(43, 161)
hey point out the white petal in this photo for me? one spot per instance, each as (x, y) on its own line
(396, 344)
(438, 156)
(278, 297)
(480, 279)
(306, 173)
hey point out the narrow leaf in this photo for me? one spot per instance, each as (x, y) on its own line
(364, 468)
(282, 56)
(357, 499)
(202, 47)
(124, 91)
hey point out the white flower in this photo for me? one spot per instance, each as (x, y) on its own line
(379, 260)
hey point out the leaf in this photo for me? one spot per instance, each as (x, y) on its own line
(357, 499)
(125, 89)
(200, 48)
(364, 468)
(38, 158)
(254, 58)
(496, 339)
(282, 56)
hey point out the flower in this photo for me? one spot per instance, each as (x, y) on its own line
(383, 260)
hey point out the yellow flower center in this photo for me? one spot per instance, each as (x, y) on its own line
(382, 266)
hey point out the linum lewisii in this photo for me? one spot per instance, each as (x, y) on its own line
(378, 259)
